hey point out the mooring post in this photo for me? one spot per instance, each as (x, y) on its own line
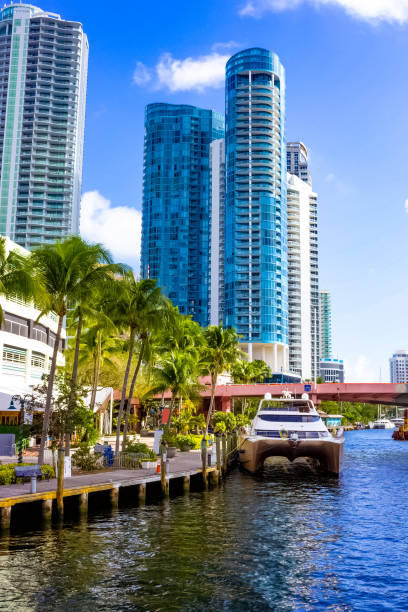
(218, 452)
(46, 510)
(142, 494)
(114, 496)
(60, 483)
(164, 482)
(204, 461)
(5, 519)
(224, 453)
(186, 484)
(83, 504)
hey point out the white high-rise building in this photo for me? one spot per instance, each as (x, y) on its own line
(297, 161)
(302, 204)
(217, 173)
(43, 75)
(399, 367)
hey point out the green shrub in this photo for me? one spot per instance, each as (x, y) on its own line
(241, 420)
(220, 427)
(7, 475)
(186, 442)
(141, 449)
(84, 460)
(228, 418)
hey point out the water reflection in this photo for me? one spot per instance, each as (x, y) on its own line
(286, 540)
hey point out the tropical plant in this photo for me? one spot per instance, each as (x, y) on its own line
(135, 311)
(85, 460)
(15, 277)
(66, 273)
(220, 353)
(178, 372)
(227, 418)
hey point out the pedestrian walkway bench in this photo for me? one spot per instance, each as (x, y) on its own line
(29, 471)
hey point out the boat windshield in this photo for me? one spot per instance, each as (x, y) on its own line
(286, 406)
(290, 418)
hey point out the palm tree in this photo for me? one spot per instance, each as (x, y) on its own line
(137, 310)
(177, 372)
(220, 352)
(15, 276)
(260, 370)
(97, 348)
(95, 290)
(66, 273)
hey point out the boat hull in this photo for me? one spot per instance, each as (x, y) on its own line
(329, 453)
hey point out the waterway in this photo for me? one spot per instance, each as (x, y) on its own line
(286, 540)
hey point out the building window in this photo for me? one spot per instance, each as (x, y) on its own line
(14, 359)
(40, 333)
(15, 325)
(37, 364)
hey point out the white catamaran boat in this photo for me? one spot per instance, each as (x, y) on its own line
(383, 423)
(292, 428)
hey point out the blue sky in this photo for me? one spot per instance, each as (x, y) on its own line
(347, 98)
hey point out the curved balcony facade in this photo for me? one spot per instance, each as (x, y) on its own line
(256, 297)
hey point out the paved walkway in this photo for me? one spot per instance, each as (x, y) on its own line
(183, 464)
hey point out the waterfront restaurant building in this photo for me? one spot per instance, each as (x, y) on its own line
(26, 348)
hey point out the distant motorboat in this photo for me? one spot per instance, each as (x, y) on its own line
(383, 423)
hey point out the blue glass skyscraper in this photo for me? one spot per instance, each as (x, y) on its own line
(176, 203)
(256, 261)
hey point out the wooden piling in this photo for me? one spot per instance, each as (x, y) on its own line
(114, 497)
(60, 483)
(83, 504)
(163, 480)
(142, 494)
(46, 510)
(218, 452)
(224, 453)
(204, 462)
(186, 484)
(5, 519)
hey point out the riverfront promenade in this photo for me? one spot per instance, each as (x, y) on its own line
(145, 482)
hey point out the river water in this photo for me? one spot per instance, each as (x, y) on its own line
(288, 539)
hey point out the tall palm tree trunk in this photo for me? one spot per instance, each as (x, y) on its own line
(123, 396)
(97, 369)
(129, 402)
(73, 383)
(212, 401)
(48, 401)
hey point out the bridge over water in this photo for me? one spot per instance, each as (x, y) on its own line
(370, 393)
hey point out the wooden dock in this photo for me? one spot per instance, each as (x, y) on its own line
(146, 483)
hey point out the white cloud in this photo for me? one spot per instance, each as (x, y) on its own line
(406, 205)
(141, 74)
(360, 370)
(118, 228)
(186, 74)
(370, 10)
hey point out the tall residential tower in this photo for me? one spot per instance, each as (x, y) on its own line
(176, 203)
(256, 263)
(43, 61)
(297, 165)
(325, 325)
